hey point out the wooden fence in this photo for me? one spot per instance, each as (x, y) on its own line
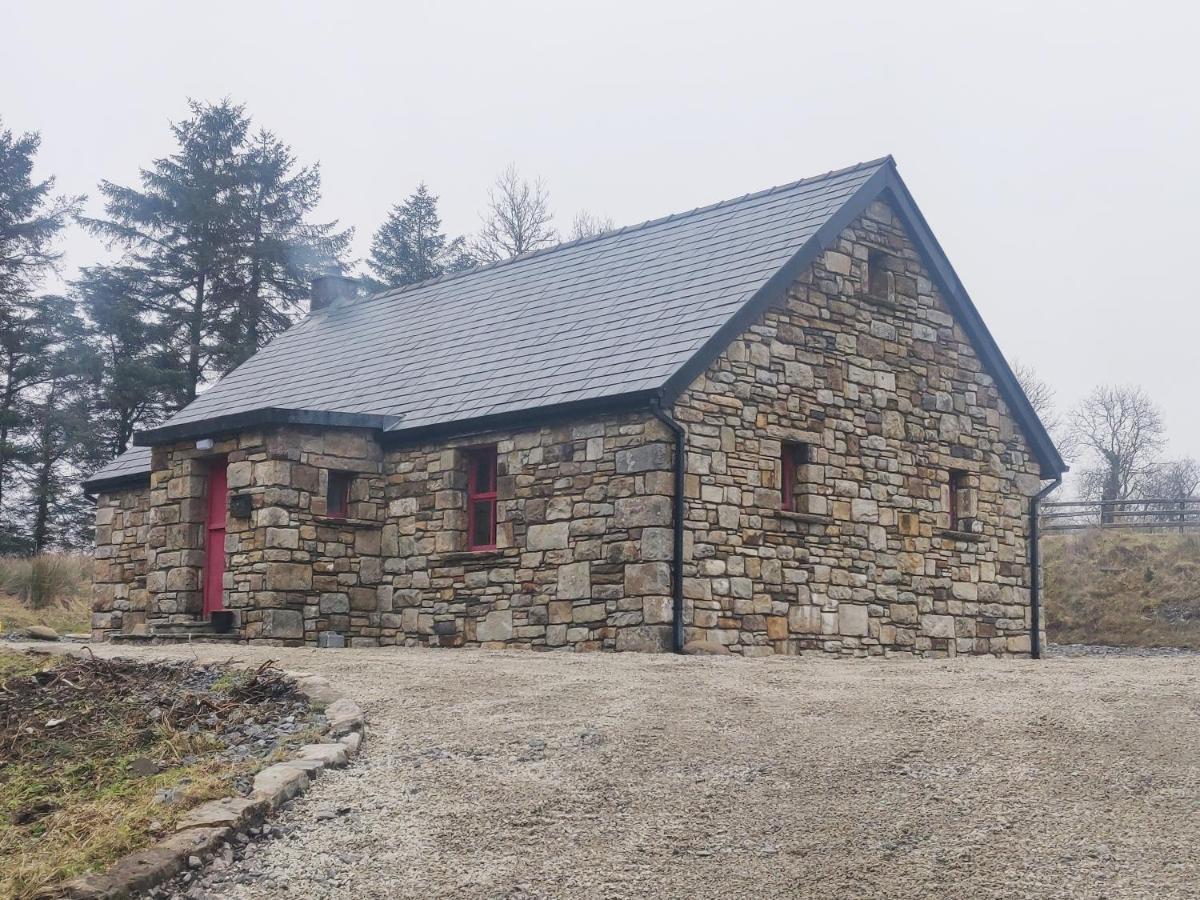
(1075, 515)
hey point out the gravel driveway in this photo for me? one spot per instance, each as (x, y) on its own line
(520, 775)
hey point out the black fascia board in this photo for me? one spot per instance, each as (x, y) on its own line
(126, 482)
(964, 311)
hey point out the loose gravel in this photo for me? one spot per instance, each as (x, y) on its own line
(1110, 651)
(519, 775)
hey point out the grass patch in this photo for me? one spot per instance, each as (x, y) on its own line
(1125, 588)
(52, 590)
(99, 757)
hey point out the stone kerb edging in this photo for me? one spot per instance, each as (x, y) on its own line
(202, 830)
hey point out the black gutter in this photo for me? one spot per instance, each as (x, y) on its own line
(677, 522)
(1035, 569)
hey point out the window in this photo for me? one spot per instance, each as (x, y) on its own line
(337, 494)
(795, 455)
(959, 494)
(481, 498)
(879, 279)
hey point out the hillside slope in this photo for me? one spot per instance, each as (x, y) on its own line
(1123, 587)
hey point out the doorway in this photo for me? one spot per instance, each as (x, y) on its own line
(217, 494)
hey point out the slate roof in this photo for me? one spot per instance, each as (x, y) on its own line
(617, 315)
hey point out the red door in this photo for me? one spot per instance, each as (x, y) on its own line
(214, 538)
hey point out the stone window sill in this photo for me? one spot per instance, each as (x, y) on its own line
(880, 300)
(968, 536)
(455, 556)
(347, 522)
(810, 518)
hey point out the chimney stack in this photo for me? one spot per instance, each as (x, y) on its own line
(330, 290)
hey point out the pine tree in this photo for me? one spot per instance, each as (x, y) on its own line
(218, 234)
(129, 360)
(56, 511)
(179, 231)
(31, 219)
(279, 250)
(410, 246)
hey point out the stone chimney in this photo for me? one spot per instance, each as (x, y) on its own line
(330, 290)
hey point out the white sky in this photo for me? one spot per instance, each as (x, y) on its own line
(1052, 146)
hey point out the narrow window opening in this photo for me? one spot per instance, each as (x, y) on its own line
(796, 457)
(879, 278)
(337, 494)
(481, 498)
(959, 514)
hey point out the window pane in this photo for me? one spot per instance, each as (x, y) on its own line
(337, 495)
(481, 524)
(483, 474)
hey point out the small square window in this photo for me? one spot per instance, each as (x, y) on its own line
(337, 494)
(879, 278)
(795, 455)
(481, 498)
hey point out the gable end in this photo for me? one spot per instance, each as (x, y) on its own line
(887, 185)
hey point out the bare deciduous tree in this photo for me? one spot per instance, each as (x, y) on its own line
(518, 218)
(587, 225)
(1176, 479)
(1123, 430)
(1041, 398)
(1040, 394)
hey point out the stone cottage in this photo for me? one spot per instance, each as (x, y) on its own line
(777, 424)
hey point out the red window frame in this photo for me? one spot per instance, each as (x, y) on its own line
(793, 456)
(481, 497)
(337, 494)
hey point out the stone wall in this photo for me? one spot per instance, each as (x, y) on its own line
(583, 541)
(119, 596)
(582, 555)
(885, 389)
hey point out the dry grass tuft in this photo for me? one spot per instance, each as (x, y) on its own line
(52, 589)
(1126, 588)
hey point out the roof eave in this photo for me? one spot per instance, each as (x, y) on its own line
(523, 418)
(128, 481)
(259, 417)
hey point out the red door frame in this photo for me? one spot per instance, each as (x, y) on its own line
(214, 537)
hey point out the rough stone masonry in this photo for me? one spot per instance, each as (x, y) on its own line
(862, 367)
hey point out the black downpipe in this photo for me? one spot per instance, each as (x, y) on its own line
(1035, 569)
(677, 522)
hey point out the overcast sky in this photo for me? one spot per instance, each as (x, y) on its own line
(1052, 147)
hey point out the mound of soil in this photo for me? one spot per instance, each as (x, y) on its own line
(117, 706)
(85, 740)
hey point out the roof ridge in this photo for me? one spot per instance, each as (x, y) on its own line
(389, 293)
